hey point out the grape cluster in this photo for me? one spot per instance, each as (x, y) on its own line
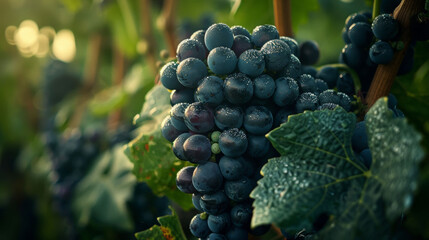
(370, 43)
(229, 88)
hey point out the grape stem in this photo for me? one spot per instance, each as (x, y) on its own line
(376, 9)
(148, 34)
(386, 73)
(282, 17)
(168, 25)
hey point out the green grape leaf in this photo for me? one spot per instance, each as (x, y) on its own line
(108, 100)
(318, 174)
(102, 194)
(151, 154)
(170, 229)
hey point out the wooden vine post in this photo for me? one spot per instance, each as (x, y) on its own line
(282, 17)
(386, 73)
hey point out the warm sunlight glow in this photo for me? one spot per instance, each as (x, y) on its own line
(64, 47)
(10, 34)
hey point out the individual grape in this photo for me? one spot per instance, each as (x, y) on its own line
(197, 149)
(292, 43)
(218, 35)
(238, 88)
(359, 137)
(381, 52)
(190, 48)
(329, 96)
(210, 91)
(168, 131)
(178, 146)
(214, 203)
(346, 84)
(355, 18)
(251, 62)
(236, 233)
(241, 215)
(306, 101)
(258, 120)
(276, 54)
(327, 106)
(185, 95)
(231, 168)
(310, 70)
(216, 236)
(239, 190)
(184, 180)
(287, 90)
(199, 227)
(258, 146)
(264, 33)
(353, 56)
(199, 118)
(199, 36)
(233, 142)
(168, 76)
(329, 75)
(227, 117)
(196, 201)
(360, 34)
(241, 44)
(309, 53)
(176, 113)
(320, 86)
(366, 157)
(345, 36)
(219, 223)
(293, 69)
(215, 148)
(222, 60)
(214, 136)
(345, 102)
(239, 30)
(307, 83)
(264, 86)
(190, 71)
(207, 177)
(282, 116)
(385, 27)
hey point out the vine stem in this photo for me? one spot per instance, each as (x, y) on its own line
(168, 25)
(148, 34)
(386, 73)
(282, 17)
(118, 73)
(376, 8)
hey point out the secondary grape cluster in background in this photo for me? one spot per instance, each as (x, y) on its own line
(229, 88)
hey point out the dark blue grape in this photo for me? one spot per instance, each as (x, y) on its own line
(329, 75)
(293, 69)
(238, 88)
(292, 43)
(233, 142)
(276, 54)
(236, 233)
(168, 131)
(185, 95)
(264, 86)
(199, 227)
(307, 101)
(385, 27)
(360, 34)
(307, 83)
(240, 189)
(258, 120)
(346, 84)
(392, 101)
(216, 236)
(327, 106)
(329, 96)
(184, 180)
(219, 223)
(320, 86)
(345, 36)
(231, 168)
(264, 33)
(287, 90)
(353, 56)
(282, 116)
(366, 157)
(196, 201)
(190, 48)
(381, 52)
(258, 146)
(177, 112)
(345, 102)
(222, 61)
(241, 215)
(218, 35)
(207, 177)
(227, 117)
(239, 30)
(309, 52)
(359, 138)
(190, 71)
(197, 149)
(199, 36)
(210, 91)
(178, 146)
(214, 203)
(241, 44)
(199, 118)
(310, 70)
(168, 76)
(355, 18)
(251, 62)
